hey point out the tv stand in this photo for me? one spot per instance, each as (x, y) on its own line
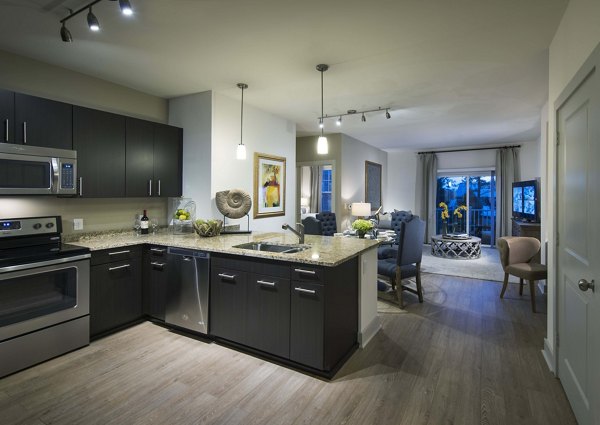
(526, 228)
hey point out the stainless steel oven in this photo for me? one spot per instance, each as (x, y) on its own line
(34, 170)
(44, 293)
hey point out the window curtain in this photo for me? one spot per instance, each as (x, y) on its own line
(426, 191)
(314, 188)
(508, 170)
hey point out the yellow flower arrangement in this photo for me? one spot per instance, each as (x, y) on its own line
(444, 213)
(457, 211)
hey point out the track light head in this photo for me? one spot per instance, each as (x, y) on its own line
(65, 34)
(363, 119)
(92, 21)
(387, 114)
(125, 7)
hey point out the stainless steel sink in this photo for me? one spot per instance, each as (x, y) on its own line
(272, 247)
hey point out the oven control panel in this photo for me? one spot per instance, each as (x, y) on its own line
(29, 226)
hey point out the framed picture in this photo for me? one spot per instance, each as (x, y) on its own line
(269, 185)
(373, 184)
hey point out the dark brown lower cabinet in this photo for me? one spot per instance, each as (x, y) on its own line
(156, 279)
(115, 290)
(302, 314)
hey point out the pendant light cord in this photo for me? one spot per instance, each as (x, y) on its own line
(242, 117)
(322, 102)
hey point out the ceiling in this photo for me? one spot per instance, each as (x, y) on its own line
(453, 72)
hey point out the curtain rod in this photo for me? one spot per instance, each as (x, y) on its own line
(473, 149)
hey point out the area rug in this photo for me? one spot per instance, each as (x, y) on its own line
(387, 301)
(486, 267)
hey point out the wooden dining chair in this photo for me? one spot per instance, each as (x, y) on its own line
(516, 254)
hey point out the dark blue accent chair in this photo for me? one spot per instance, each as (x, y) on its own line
(407, 262)
(328, 223)
(312, 226)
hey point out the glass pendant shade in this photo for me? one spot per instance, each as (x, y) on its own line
(322, 145)
(241, 151)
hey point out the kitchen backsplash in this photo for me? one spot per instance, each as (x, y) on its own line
(97, 214)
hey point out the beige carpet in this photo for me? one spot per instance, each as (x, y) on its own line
(387, 303)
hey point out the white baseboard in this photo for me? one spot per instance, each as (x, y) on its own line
(548, 354)
(369, 332)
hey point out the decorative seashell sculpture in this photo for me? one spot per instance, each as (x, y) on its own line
(233, 203)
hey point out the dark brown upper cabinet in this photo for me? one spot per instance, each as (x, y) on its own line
(43, 122)
(99, 139)
(7, 115)
(153, 159)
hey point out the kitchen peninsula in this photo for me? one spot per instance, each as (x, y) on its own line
(309, 308)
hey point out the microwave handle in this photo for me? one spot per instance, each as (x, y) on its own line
(6, 130)
(54, 176)
(24, 132)
(80, 186)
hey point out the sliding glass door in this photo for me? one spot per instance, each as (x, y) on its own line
(477, 191)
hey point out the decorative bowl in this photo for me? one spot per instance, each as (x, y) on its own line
(208, 228)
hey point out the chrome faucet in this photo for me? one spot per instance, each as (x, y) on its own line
(298, 231)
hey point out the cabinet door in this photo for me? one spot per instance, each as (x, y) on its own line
(99, 139)
(155, 282)
(139, 167)
(43, 122)
(269, 314)
(115, 295)
(228, 304)
(7, 115)
(307, 324)
(168, 146)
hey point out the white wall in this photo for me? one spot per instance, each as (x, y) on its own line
(194, 114)
(577, 36)
(354, 155)
(402, 170)
(264, 133)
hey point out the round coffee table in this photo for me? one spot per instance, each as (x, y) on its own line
(462, 249)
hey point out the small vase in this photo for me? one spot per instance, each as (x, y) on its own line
(444, 227)
(361, 233)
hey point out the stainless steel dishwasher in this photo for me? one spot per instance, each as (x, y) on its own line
(187, 291)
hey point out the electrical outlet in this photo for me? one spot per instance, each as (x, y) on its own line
(78, 224)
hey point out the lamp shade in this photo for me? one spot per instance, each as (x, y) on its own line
(361, 209)
(304, 202)
(322, 145)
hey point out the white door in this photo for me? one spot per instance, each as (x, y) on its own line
(578, 122)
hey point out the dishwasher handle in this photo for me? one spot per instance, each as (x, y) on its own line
(187, 254)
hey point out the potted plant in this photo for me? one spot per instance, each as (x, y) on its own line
(444, 216)
(362, 227)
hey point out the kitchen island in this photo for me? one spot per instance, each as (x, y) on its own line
(339, 272)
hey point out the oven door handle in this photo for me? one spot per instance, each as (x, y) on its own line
(27, 266)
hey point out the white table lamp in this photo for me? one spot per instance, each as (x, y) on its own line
(361, 209)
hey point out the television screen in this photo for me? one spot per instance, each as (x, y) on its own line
(517, 199)
(529, 200)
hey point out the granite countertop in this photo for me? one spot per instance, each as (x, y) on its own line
(324, 250)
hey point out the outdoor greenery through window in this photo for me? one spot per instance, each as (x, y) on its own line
(477, 191)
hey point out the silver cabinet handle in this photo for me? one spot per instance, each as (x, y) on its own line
(6, 130)
(266, 283)
(24, 132)
(305, 271)
(157, 266)
(305, 291)
(227, 276)
(80, 186)
(158, 187)
(584, 285)
(119, 252)
(157, 251)
(150, 187)
(124, 266)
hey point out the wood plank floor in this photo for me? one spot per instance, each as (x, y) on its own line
(462, 357)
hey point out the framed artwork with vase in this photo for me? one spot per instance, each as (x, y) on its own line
(269, 185)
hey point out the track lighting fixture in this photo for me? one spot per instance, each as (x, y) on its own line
(125, 7)
(241, 148)
(363, 118)
(65, 34)
(322, 144)
(92, 20)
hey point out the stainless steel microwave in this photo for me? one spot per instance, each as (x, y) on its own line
(34, 170)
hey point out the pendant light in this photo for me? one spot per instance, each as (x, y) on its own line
(322, 144)
(241, 148)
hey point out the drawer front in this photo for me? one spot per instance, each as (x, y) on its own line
(228, 304)
(116, 254)
(307, 273)
(254, 265)
(157, 251)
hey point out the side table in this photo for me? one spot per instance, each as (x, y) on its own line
(464, 249)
